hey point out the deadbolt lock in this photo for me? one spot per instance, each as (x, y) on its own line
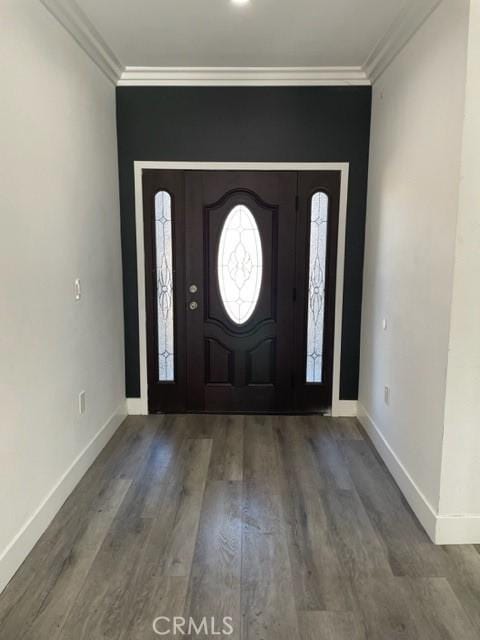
(193, 288)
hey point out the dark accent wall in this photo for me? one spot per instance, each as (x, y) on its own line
(247, 124)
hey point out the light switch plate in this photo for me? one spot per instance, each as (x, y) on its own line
(386, 395)
(81, 402)
(78, 289)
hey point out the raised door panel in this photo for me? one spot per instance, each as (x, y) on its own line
(261, 363)
(219, 363)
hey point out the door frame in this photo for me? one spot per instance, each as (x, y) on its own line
(339, 407)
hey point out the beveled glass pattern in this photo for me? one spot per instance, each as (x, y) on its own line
(240, 264)
(316, 287)
(164, 261)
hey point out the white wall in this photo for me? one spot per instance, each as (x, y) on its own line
(58, 220)
(418, 106)
(460, 488)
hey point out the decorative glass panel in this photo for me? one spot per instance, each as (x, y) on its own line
(164, 259)
(240, 264)
(316, 287)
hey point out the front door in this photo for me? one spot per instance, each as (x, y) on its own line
(240, 272)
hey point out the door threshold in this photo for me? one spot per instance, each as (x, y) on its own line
(321, 412)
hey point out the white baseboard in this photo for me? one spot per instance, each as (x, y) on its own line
(461, 529)
(19, 548)
(443, 529)
(137, 407)
(344, 409)
(415, 498)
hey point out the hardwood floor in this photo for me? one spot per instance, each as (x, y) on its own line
(291, 526)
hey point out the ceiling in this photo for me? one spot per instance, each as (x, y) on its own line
(346, 35)
(263, 33)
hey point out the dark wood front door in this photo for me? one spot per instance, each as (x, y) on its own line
(240, 282)
(240, 350)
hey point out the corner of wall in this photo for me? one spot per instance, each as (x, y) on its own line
(461, 442)
(414, 496)
(401, 182)
(19, 548)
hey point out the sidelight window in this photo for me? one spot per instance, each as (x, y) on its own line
(316, 287)
(240, 264)
(164, 275)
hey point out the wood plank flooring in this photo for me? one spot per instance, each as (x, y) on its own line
(290, 526)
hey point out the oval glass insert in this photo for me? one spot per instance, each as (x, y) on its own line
(240, 264)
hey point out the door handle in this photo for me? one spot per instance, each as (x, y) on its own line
(193, 305)
(193, 288)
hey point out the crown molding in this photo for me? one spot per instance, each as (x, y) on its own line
(82, 30)
(399, 34)
(70, 15)
(242, 76)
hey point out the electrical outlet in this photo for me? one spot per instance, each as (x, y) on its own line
(386, 395)
(81, 402)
